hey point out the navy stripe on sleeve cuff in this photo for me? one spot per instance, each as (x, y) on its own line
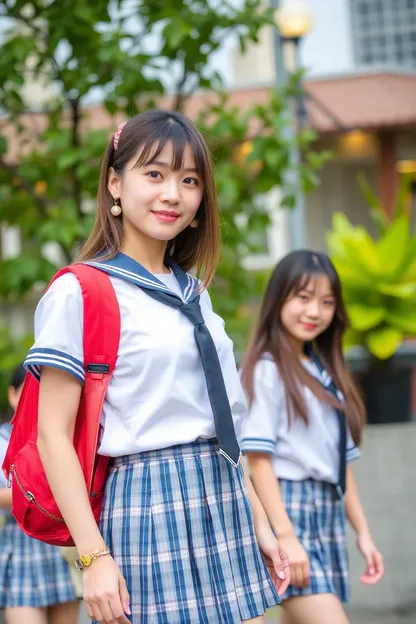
(261, 445)
(352, 453)
(55, 359)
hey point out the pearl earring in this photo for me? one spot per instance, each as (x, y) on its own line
(116, 209)
(194, 224)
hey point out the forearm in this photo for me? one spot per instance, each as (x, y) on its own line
(5, 498)
(268, 491)
(353, 507)
(66, 480)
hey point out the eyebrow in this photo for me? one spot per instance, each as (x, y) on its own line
(312, 292)
(161, 163)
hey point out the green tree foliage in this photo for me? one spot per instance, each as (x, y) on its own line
(121, 57)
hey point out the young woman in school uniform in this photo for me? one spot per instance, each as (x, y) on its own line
(36, 583)
(304, 426)
(182, 532)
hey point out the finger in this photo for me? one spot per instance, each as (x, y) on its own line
(90, 610)
(283, 585)
(97, 613)
(278, 565)
(300, 577)
(124, 596)
(379, 563)
(106, 610)
(284, 558)
(306, 570)
(294, 575)
(117, 611)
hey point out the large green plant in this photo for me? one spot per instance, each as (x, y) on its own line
(378, 275)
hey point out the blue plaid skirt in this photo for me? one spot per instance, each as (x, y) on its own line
(318, 517)
(178, 522)
(32, 573)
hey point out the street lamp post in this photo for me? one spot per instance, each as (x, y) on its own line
(293, 20)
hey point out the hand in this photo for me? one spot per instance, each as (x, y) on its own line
(375, 567)
(300, 570)
(275, 558)
(105, 592)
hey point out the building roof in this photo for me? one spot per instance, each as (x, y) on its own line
(368, 101)
(364, 101)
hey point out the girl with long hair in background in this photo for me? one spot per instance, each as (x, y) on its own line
(304, 427)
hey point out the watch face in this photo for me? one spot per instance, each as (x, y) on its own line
(85, 560)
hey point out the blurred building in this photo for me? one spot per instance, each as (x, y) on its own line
(360, 57)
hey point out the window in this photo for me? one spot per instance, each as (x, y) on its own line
(384, 32)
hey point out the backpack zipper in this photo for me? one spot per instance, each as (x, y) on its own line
(31, 498)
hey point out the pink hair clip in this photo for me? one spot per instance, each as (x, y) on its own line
(117, 134)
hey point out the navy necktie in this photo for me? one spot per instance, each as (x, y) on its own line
(330, 386)
(217, 393)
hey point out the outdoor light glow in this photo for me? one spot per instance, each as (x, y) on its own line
(294, 19)
(356, 144)
(241, 154)
(406, 166)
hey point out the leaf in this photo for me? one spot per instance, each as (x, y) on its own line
(403, 322)
(384, 342)
(392, 247)
(363, 318)
(403, 291)
(377, 212)
(68, 159)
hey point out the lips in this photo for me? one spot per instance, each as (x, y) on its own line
(168, 216)
(309, 326)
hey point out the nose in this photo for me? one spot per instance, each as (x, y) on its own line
(313, 309)
(170, 193)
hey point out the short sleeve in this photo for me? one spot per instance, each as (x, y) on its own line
(59, 330)
(353, 452)
(4, 443)
(260, 428)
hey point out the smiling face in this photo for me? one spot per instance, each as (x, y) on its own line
(309, 311)
(159, 200)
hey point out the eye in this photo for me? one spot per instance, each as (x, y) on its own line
(155, 175)
(303, 297)
(329, 302)
(191, 181)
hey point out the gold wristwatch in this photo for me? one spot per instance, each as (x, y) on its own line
(85, 560)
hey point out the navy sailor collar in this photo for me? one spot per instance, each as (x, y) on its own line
(126, 268)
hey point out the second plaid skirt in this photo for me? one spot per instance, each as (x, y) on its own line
(318, 517)
(178, 522)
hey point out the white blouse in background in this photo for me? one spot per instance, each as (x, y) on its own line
(157, 396)
(300, 451)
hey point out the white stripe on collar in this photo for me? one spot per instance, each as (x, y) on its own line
(132, 276)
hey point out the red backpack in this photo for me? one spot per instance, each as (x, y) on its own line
(33, 504)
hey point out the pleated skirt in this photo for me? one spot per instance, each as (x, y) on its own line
(178, 522)
(318, 517)
(32, 573)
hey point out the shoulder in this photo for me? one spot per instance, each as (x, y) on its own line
(66, 284)
(266, 371)
(205, 298)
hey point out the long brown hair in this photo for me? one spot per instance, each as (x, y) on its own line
(145, 136)
(291, 275)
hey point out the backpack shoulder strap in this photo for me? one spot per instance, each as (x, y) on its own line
(101, 318)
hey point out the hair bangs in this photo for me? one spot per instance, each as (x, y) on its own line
(170, 132)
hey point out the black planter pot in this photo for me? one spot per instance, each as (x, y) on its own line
(386, 386)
